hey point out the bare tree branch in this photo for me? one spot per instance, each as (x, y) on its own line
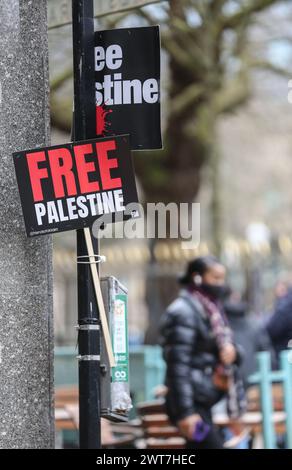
(178, 53)
(56, 82)
(186, 99)
(269, 66)
(61, 113)
(254, 6)
(235, 93)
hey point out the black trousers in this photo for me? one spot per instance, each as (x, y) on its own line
(213, 439)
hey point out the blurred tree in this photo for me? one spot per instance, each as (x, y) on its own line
(210, 62)
(210, 59)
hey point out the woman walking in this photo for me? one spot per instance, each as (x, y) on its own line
(200, 354)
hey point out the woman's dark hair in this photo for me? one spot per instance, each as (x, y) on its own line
(199, 266)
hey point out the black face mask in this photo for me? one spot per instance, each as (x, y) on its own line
(216, 292)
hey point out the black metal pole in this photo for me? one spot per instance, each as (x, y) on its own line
(88, 315)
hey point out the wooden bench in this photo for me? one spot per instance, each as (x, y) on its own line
(252, 420)
(158, 430)
(159, 433)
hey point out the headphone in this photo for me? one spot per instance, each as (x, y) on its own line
(198, 280)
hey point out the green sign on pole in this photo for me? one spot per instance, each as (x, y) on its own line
(120, 372)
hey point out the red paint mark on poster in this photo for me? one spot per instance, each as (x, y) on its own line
(101, 122)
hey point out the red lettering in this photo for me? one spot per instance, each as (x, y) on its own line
(61, 167)
(84, 167)
(36, 174)
(106, 164)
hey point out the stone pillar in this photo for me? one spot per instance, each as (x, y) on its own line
(26, 337)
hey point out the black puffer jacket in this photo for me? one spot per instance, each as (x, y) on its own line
(280, 324)
(191, 353)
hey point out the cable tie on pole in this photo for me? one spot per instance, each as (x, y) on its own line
(91, 259)
(88, 358)
(87, 327)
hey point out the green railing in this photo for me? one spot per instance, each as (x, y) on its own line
(265, 378)
(147, 371)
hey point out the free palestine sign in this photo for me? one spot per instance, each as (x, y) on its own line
(69, 186)
(127, 85)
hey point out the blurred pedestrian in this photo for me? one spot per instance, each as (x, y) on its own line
(200, 354)
(248, 332)
(279, 326)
